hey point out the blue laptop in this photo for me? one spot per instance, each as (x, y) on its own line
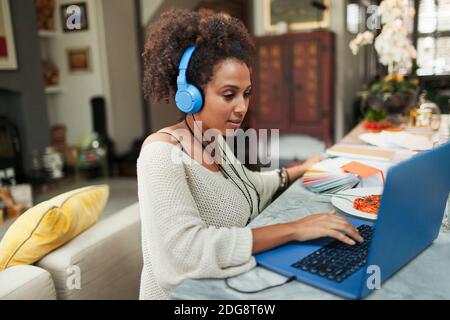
(409, 219)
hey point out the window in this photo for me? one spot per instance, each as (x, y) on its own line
(433, 37)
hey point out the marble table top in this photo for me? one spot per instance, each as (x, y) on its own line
(425, 277)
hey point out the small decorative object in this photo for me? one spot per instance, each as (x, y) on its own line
(93, 156)
(11, 208)
(36, 173)
(51, 74)
(74, 17)
(22, 195)
(45, 12)
(375, 120)
(8, 60)
(395, 92)
(92, 149)
(79, 59)
(53, 163)
(7, 177)
(427, 115)
(72, 156)
(58, 138)
(299, 15)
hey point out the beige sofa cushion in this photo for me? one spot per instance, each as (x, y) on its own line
(50, 224)
(26, 283)
(104, 262)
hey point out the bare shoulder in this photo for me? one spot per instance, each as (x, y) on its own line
(162, 136)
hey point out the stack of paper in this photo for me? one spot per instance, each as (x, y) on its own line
(400, 139)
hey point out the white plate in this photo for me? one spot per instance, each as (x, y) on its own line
(347, 206)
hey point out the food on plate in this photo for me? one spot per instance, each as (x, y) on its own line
(368, 204)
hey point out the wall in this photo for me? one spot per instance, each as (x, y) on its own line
(115, 74)
(148, 8)
(72, 106)
(161, 114)
(121, 46)
(28, 108)
(349, 69)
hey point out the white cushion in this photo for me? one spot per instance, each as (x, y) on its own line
(107, 257)
(26, 282)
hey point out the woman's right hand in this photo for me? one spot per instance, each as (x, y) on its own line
(327, 224)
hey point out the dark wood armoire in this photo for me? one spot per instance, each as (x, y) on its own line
(293, 83)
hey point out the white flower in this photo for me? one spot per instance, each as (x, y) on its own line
(393, 46)
(368, 37)
(361, 40)
(391, 10)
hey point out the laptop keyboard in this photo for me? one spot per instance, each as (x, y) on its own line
(337, 261)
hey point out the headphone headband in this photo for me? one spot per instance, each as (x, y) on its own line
(188, 97)
(187, 55)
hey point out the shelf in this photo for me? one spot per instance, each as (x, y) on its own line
(48, 34)
(54, 90)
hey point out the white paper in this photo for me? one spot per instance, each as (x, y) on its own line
(399, 140)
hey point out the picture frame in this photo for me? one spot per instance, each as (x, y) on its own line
(79, 60)
(298, 15)
(84, 19)
(8, 58)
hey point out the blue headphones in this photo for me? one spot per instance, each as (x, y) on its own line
(188, 97)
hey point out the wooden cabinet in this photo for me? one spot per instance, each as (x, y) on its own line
(293, 84)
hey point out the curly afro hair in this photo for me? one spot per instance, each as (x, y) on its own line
(216, 36)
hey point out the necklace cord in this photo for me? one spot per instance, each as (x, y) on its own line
(227, 175)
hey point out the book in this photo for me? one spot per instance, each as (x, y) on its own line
(361, 152)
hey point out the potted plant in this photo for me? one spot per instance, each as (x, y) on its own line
(375, 120)
(394, 93)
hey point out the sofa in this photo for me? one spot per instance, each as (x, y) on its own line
(102, 263)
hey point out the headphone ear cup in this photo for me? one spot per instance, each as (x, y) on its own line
(189, 100)
(197, 99)
(183, 100)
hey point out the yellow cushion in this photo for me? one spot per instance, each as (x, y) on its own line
(50, 224)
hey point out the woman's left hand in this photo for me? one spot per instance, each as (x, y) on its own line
(311, 161)
(296, 172)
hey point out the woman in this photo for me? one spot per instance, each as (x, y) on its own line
(195, 212)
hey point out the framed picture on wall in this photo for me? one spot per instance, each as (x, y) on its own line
(74, 17)
(79, 60)
(298, 15)
(8, 60)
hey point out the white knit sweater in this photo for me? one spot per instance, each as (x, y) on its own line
(193, 219)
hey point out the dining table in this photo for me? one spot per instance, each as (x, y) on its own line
(425, 277)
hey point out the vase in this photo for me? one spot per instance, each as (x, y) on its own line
(394, 103)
